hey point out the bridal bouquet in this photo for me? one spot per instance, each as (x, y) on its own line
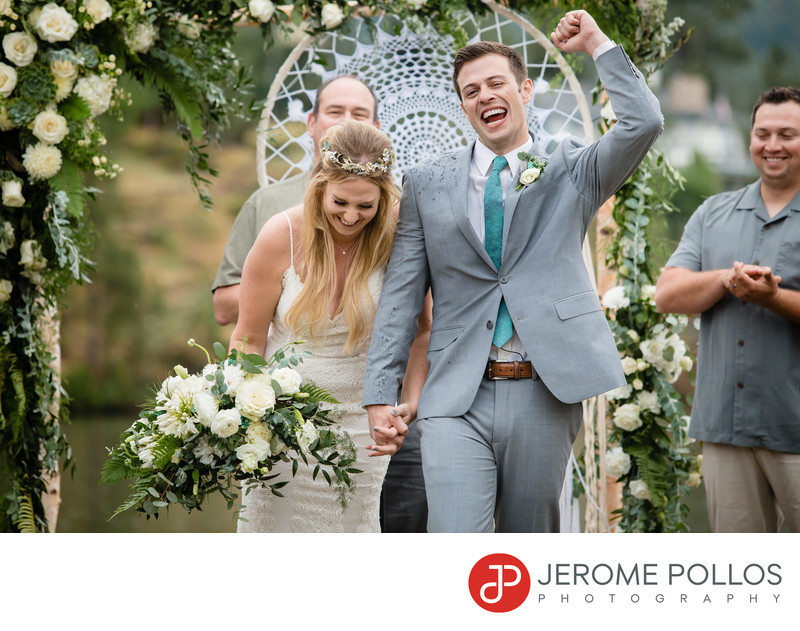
(227, 426)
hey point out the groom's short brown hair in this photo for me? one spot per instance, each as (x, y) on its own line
(471, 52)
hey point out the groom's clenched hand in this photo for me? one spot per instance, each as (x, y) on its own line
(387, 427)
(578, 32)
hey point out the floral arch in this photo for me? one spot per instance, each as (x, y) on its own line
(60, 70)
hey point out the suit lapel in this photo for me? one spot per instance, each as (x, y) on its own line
(458, 185)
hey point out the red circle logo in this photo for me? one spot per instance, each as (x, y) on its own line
(499, 583)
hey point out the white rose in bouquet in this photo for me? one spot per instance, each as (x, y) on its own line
(8, 79)
(331, 15)
(6, 287)
(639, 490)
(20, 48)
(12, 193)
(627, 418)
(288, 379)
(168, 387)
(248, 455)
(257, 433)
(41, 161)
(618, 463)
(97, 91)
(306, 435)
(55, 24)
(98, 10)
(50, 127)
(694, 479)
(206, 408)
(254, 399)
(261, 10)
(226, 423)
(615, 298)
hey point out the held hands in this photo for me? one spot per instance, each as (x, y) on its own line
(578, 32)
(751, 283)
(388, 427)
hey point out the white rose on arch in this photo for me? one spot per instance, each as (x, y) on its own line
(627, 418)
(8, 79)
(55, 24)
(98, 10)
(261, 10)
(12, 194)
(331, 15)
(639, 490)
(615, 298)
(6, 287)
(50, 127)
(618, 463)
(141, 37)
(20, 48)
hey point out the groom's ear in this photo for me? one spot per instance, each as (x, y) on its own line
(526, 90)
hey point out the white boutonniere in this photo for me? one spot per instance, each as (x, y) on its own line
(531, 170)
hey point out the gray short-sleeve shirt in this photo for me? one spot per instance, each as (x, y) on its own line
(748, 371)
(259, 207)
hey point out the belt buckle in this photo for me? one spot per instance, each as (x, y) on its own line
(489, 371)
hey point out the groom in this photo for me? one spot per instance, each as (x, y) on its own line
(518, 336)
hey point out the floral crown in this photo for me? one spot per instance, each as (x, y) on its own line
(383, 164)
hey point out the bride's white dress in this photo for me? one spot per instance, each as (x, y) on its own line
(312, 505)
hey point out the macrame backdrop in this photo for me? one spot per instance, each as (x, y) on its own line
(411, 74)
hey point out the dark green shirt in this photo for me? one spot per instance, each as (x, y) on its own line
(748, 367)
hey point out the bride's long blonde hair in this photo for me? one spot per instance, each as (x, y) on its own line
(349, 148)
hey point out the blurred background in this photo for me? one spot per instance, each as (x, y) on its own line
(156, 250)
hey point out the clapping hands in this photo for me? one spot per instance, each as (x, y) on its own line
(751, 283)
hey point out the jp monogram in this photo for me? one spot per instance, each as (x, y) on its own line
(499, 583)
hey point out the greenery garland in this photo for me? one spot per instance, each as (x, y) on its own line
(60, 70)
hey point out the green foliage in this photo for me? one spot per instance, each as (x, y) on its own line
(657, 459)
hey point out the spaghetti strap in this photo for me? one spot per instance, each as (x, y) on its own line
(291, 237)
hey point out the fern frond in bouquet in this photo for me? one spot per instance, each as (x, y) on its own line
(226, 427)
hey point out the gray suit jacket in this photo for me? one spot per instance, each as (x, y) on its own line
(543, 278)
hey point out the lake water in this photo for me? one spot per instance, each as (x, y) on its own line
(87, 505)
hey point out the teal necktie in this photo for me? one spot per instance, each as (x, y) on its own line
(493, 224)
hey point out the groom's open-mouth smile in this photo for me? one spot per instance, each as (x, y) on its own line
(494, 116)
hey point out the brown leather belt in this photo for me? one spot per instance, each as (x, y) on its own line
(509, 370)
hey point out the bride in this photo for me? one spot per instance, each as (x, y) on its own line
(315, 272)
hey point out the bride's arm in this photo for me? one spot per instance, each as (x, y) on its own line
(261, 287)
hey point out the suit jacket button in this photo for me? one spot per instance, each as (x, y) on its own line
(503, 280)
(489, 325)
